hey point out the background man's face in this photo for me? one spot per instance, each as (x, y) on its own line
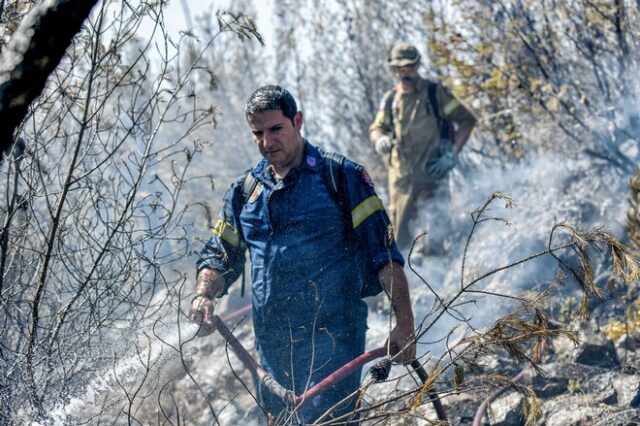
(407, 75)
(277, 138)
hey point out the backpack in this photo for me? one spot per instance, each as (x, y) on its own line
(332, 173)
(445, 126)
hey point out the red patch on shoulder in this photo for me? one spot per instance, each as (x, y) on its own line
(256, 193)
(366, 178)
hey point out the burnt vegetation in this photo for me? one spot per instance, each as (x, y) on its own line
(107, 182)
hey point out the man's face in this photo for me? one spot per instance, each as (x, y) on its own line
(407, 75)
(277, 138)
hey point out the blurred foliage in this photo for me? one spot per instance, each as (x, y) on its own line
(631, 325)
(633, 215)
(542, 74)
(574, 386)
(568, 310)
(11, 12)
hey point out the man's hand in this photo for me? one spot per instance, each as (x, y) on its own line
(384, 144)
(402, 340)
(446, 160)
(209, 285)
(201, 313)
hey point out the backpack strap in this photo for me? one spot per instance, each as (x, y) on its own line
(332, 172)
(388, 111)
(444, 126)
(248, 186)
(433, 100)
(333, 177)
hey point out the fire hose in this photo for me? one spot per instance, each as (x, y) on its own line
(477, 419)
(289, 398)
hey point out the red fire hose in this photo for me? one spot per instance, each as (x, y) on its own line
(298, 400)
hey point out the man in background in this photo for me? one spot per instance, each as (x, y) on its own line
(423, 128)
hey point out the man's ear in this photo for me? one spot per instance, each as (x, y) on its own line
(297, 120)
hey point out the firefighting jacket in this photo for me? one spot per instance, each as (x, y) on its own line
(307, 258)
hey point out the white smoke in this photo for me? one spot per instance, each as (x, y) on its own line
(122, 385)
(547, 190)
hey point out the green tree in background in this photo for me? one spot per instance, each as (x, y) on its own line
(550, 74)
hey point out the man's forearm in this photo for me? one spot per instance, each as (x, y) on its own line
(464, 132)
(402, 340)
(374, 135)
(395, 284)
(461, 138)
(210, 283)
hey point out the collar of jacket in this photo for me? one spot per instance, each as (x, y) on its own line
(311, 159)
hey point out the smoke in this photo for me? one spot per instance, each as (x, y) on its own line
(546, 189)
(129, 381)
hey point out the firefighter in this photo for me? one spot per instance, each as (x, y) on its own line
(313, 248)
(422, 128)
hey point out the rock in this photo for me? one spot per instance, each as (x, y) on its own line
(507, 411)
(563, 347)
(620, 418)
(627, 342)
(570, 410)
(628, 389)
(461, 409)
(557, 375)
(608, 397)
(547, 387)
(496, 362)
(599, 355)
(630, 361)
(600, 383)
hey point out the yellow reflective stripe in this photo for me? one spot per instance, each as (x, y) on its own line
(366, 209)
(227, 232)
(451, 106)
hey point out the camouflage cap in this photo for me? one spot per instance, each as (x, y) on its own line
(403, 54)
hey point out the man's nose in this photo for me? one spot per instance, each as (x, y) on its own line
(268, 139)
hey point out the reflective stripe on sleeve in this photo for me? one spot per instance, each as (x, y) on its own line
(451, 106)
(366, 209)
(227, 232)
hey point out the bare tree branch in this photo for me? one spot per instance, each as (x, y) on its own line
(34, 52)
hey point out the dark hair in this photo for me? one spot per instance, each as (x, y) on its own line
(271, 97)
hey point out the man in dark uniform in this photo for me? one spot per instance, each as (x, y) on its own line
(310, 256)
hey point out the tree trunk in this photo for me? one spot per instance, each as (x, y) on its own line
(34, 51)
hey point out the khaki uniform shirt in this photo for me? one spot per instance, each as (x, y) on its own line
(416, 129)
